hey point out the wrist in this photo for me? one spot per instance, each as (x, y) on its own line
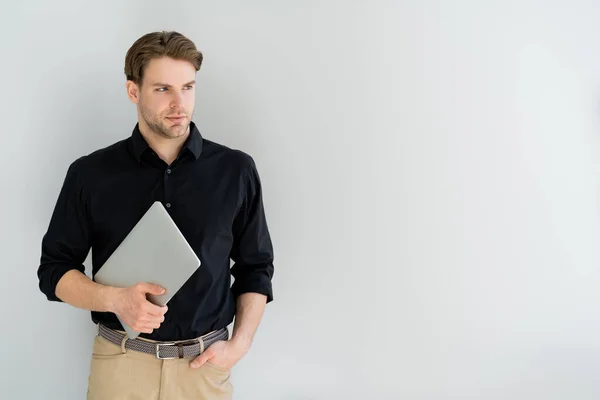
(240, 343)
(109, 298)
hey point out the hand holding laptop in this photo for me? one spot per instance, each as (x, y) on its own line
(154, 251)
(134, 309)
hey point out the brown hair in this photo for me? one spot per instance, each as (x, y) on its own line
(156, 45)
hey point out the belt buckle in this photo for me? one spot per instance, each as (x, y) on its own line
(178, 344)
(157, 350)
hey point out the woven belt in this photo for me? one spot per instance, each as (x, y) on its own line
(165, 350)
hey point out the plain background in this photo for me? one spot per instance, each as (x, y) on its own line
(431, 181)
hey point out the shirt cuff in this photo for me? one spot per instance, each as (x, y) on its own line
(49, 275)
(254, 283)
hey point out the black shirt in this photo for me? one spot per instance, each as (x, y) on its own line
(214, 196)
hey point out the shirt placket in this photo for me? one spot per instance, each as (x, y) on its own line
(169, 189)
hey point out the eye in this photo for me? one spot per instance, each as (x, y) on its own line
(161, 89)
(189, 87)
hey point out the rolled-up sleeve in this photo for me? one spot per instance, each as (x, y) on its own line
(66, 243)
(252, 251)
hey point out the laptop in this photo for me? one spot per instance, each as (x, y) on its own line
(154, 251)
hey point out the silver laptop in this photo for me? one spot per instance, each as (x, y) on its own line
(155, 251)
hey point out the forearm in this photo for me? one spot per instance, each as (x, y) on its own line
(80, 291)
(250, 309)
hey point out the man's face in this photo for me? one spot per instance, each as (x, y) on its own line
(167, 96)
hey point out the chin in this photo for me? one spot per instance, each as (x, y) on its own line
(177, 130)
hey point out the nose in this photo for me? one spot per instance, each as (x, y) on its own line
(177, 100)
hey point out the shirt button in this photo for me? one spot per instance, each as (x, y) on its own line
(168, 205)
(169, 171)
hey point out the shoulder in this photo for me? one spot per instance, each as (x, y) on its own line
(230, 158)
(96, 160)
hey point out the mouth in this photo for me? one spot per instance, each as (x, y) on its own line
(177, 119)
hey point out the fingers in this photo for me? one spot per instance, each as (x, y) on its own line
(143, 327)
(146, 326)
(152, 321)
(200, 360)
(148, 306)
(148, 319)
(154, 310)
(145, 322)
(151, 288)
(148, 316)
(155, 320)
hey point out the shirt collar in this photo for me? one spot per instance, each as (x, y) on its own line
(192, 144)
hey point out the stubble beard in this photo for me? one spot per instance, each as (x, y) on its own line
(159, 126)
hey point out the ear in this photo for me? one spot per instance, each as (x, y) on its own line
(133, 91)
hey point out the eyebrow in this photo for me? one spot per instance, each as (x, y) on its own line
(167, 85)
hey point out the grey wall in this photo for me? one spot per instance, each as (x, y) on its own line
(430, 173)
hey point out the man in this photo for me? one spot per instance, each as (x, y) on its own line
(214, 196)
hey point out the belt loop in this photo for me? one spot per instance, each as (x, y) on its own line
(201, 341)
(123, 350)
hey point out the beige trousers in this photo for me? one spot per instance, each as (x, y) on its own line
(117, 373)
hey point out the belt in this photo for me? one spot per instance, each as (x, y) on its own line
(165, 350)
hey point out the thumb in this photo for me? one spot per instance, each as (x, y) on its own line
(200, 360)
(153, 289)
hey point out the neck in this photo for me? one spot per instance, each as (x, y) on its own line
(166, 148)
